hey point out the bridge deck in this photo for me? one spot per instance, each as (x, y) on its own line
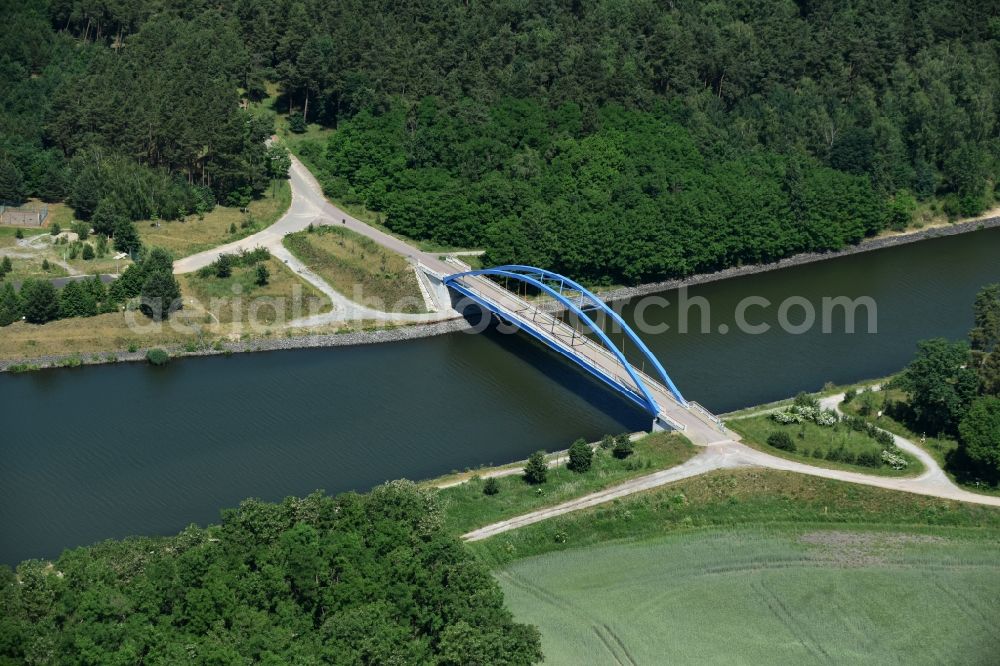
(697, 424)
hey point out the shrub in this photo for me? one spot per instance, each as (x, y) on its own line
(81, 229)
(45, 265)
(491, 487)
(580, 457)
(806, 400)
(296, 123)
(88, 252)
(893, 460)
(868, 459)
(623, 447)
(19, 234)
(224, 266)
(536, 471)
(55, 229)
(849, 395)
(780, 439)
(607, 442)
(232, 228)
(157, 356)
(262, 275)
(6, 266)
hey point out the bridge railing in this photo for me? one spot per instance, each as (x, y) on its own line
(700, 410)
(556, 322)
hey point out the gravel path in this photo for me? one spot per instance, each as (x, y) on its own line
(309, 206)
(732, 453)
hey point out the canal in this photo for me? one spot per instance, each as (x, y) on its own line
(109, 451)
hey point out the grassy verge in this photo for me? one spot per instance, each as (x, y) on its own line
(238, 299)
(729, 498)
(814, 443)
(8, 235)
(191, 234)
(358, 268)
(467, 507)
(82, 335)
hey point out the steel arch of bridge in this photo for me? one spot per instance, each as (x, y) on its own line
(554, 285)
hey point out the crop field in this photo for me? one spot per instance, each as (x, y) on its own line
(774, 595)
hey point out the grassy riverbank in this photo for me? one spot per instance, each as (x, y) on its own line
(468, 507)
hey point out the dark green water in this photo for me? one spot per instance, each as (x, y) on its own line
(101, 452)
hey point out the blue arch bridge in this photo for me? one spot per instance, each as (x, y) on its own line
(581, 339)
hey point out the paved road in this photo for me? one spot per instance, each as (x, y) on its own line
(730, 454)
(309, 206)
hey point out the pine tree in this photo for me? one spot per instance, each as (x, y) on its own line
(580, 457)
(536, 471)
(126, 237)
(10, 305)
(160, 295)
(262, 276)
(40, 302)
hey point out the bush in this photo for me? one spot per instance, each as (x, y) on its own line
(536, 471)
(849, 395)
(55, 229)
(81, 229)
(780, 439)
(19, 234)
(623, 447)
(6, 266)
(88, 252)
(806, 400)
(45, 265)
(580, 457)
(607, 442)
(491, 487)
(296, 123)
(262, 276)
(157, 356)
(224, 266)
(39, 301)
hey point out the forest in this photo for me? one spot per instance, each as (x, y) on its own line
(352, 579)
(615, 141)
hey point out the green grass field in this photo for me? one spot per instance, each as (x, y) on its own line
(756, 566)
(757, 596)
(466, 507)
(191, 235)
(238, 299)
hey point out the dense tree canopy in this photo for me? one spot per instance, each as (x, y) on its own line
(140, 114)
(356, 579)
(628, 141)
(618, 140)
